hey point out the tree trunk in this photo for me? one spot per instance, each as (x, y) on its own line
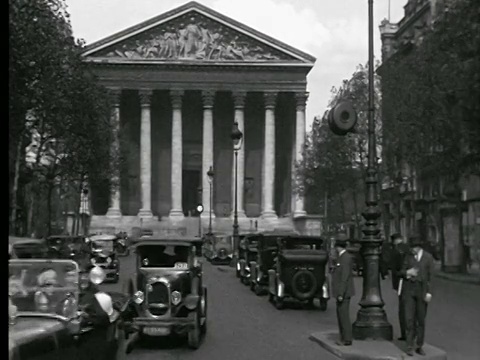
(13, 220)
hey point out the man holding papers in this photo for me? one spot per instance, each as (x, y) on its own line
(417, 273)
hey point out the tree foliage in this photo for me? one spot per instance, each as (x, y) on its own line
(65, 107)
(431, 97)
(335, 164)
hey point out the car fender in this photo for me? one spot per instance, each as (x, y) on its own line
(253, 271)
(242, 265)
(272, 281)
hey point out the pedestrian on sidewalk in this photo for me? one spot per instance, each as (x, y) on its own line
(343, 289)
(400, 250)
(417, 273)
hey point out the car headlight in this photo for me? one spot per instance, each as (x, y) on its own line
(176, 297)
(191, 301)
(97, 275)
(138, 297)
(109, 260)
(93, 261)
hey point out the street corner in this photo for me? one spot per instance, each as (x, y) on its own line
(372, 349)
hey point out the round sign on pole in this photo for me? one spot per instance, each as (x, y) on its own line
(199, 208)
(342, 118)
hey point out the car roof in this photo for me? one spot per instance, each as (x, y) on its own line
(14, 240)
(173, 241)
(103, 237)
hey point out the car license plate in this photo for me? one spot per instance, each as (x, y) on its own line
(156, 331)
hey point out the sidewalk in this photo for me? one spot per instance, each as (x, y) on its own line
(472, 277)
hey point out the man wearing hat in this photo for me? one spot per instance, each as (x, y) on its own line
(343, 289)
(400, 250)
(417, 272)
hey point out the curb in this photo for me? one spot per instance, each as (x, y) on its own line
(454, 277)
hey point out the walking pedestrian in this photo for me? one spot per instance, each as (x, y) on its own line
(400, 250)
(417, 272)
(343, 289)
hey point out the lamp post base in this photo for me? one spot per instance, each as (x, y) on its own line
(372, 323)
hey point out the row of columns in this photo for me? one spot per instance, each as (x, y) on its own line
(268, 169)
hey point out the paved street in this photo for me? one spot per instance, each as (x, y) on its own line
(244, 326)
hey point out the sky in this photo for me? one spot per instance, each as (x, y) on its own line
(333, 31)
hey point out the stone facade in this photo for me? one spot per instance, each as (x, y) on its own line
(179, 81)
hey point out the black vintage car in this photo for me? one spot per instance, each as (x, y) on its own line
(247, 253)
(103, 254)
(45, 321)
(28, 248)
(67, 247)
(300, 272)
(168, 290)
(267, 247)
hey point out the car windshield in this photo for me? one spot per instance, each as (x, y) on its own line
(106, 245)
(44, 286)
(164, 256)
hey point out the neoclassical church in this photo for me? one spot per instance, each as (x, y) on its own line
(179, 81)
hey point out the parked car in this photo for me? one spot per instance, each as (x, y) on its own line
(44, 317)
(248, 252)
(167, 289)
(28, 248)
(218, 248)
(267, 247)
(103, 254)
(300, 272)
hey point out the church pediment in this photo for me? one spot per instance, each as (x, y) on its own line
(194, 33)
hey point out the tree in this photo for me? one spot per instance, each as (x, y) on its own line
(334, 164)
(54, 98)
(431, 94)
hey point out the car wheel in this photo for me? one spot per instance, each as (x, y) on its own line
(245, 281)
(252, 285)
(323, 304)
(270, 297)
(203, 328)
(258, 290)
(278, 302)
(304, 285)
(238, 273)
(194, 334)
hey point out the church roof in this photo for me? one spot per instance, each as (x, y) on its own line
(194, 34)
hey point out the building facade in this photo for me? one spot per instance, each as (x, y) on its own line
(179, 81)
(448, 220)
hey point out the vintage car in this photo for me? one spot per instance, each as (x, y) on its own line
(247, 254)
(267, 247)
(28, 248)
(102, 253)
(300, 272)
(67, 247)
(167, 289)
(45, 321)
(218, 248)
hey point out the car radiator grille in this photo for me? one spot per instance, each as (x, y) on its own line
(158, 299)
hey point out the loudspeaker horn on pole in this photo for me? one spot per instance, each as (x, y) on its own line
(342, 118)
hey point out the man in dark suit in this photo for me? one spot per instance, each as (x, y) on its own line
(417, 273)
(400, 250)
(343, 289)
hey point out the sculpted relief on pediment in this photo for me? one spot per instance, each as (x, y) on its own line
(194, 37)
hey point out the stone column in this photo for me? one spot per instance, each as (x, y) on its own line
(239, 104)
(301, 100)
(114, 209)
(207, 150)
(177, 155)
(268, 210)
(145, 154)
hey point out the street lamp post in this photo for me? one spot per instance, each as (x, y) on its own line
(210, 175)
(199, 209)
(237, 138)
(371, 322)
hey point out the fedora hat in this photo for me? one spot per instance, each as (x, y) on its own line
(341, 240)
(414, 240)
